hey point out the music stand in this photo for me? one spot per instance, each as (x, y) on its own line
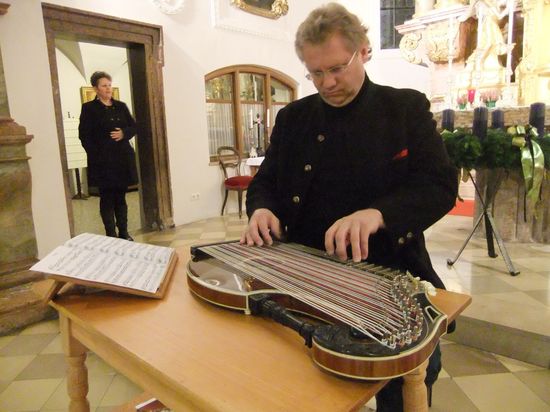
(494, 179)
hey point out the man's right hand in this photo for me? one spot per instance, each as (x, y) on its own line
(263, 224)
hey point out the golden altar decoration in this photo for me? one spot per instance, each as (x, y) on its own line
(466, 46)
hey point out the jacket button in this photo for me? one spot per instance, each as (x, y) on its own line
(320, 138)
(401, 241)
(296, 199)
(307, 168)
(410, 235)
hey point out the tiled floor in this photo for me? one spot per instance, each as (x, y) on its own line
(33, 378)
(32, 369)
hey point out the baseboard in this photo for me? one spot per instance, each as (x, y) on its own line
(513, 343)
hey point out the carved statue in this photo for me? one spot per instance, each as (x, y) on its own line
(490, 41)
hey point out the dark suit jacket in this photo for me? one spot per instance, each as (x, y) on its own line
(111, 164)
(398, 163)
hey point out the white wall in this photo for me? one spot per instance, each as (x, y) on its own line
(192, 48)
(95, 57)
(27, 74)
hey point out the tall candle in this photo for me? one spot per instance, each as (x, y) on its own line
(250, 116)
(536, 117)
(479, 128)
(497, 119)
(267, 119)
(448, 120)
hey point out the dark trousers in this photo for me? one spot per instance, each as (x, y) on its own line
(390, 398)
(112, 204)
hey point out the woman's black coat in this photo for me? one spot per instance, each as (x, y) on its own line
(111, 164)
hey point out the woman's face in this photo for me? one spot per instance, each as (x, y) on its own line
(103, 89)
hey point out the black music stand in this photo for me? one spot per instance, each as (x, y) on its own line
(79, 195)
(494, 179)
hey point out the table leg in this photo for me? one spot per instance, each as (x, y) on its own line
(77, 373)
(415, 393)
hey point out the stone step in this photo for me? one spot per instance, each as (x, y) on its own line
(518, 344)
(17, 273)
(21, 306)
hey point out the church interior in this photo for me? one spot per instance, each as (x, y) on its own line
(195, 75)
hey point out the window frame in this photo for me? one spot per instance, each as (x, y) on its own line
(268, 74)
(393, 10)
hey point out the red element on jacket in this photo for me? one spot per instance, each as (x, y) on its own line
(402, 154)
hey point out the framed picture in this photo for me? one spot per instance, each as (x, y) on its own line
(228, 15)
(265, 8)
(87, 93)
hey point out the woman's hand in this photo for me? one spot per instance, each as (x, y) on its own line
(117, 134)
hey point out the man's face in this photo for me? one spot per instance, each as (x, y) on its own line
(336, 72)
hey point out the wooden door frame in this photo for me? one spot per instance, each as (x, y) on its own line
(154, 167)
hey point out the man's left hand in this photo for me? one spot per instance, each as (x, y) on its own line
(353, 230)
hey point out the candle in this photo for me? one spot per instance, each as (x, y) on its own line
(536, 117)
(497, 119)
(479, 128)
(250, 116)
(471, 95)
(448, 120)
(267, 119)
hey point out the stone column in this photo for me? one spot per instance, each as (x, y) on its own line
(17, 238)
(19, 304)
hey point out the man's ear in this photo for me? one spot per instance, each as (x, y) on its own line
(365, 53)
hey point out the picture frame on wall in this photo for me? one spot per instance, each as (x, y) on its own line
(228, 15)
(87, 93)
(272, 9)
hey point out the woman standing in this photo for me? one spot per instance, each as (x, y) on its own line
(106, 127)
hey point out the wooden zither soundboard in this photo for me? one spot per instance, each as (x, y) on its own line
(360, 320)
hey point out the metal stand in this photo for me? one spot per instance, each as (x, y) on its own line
(490, 227)
(79, 194)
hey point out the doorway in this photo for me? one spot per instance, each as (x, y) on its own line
(75, 62)
(143, 48)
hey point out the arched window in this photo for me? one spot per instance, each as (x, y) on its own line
(239, 112)
(393, 13)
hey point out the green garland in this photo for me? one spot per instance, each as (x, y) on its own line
(463, 148)
(500, 149)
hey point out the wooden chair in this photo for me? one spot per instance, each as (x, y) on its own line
(230, 158)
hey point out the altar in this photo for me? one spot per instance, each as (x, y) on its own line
(481, 51)
(516, 219)
(493, 54)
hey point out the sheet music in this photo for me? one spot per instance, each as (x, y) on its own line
(109, 260)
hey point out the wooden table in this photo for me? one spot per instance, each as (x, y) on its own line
(196, 356)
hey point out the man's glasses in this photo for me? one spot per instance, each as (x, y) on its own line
(334, 71)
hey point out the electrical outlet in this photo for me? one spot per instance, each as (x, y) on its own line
(195, 196)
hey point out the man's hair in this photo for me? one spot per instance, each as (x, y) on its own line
(327, 20)
(94, 79)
